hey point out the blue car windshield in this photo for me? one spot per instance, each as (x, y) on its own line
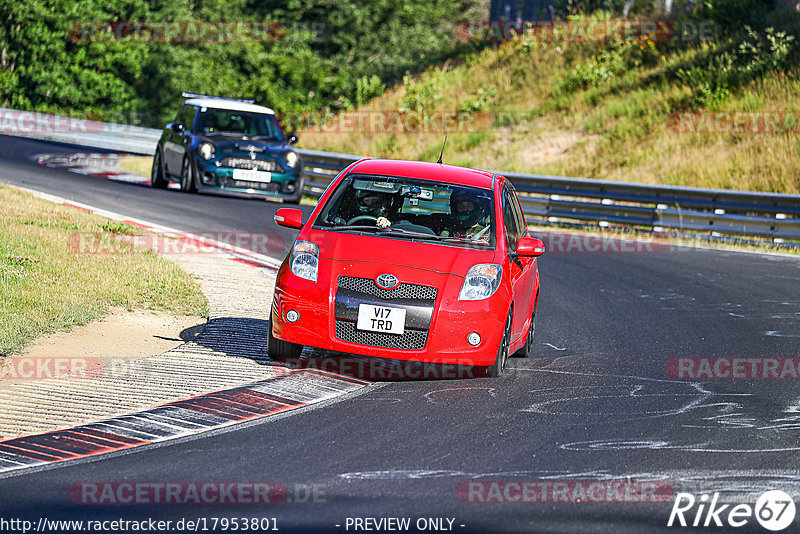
(212, 122)
(413, 209)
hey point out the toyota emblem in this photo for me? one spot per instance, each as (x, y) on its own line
(386, 281)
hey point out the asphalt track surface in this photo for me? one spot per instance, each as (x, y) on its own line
(594, 403)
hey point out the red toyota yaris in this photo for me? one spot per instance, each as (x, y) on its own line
(410, 261)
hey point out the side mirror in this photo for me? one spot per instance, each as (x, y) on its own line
(177, 127)
(292, 139)
(289, 217)
(530, 246)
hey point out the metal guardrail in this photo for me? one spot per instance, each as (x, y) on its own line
(545, 199)
(79, 131)
(553, 199)
(319, 168)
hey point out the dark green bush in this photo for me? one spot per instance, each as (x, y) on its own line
(332, 55)
(759, 53)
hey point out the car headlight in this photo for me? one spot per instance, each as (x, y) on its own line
(291, 159)
(305, 260)
(481, 282)
(206, 150)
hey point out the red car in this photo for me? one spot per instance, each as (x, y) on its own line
(410, 261)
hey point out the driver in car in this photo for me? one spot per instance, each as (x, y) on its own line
(469, 217)
(209, 123)
(374, 204)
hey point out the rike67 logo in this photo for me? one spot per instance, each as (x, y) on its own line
(774, 510)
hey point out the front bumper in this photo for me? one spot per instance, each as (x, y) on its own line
(434, 335)
(220, 179)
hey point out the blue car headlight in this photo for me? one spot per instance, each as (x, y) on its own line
(206, 150)
(292, 159)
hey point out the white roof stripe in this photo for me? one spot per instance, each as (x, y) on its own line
(220, 103)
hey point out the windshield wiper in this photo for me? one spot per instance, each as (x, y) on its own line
(454, 239)
(340, 227)
(377, 230)
(222, 132)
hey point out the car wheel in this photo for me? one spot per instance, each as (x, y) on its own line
(157, 178)
(502, 352)
(278, 349)
(187, 176)
(525, 351)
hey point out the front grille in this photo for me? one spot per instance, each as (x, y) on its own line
(272, 187)
(418, 300)
(252, 164)
(410, 339)
(403, 291)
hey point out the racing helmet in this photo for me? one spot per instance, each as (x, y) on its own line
(372, 203)
(465, 207)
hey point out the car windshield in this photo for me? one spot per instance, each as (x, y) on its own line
(411, 209)
(212, 122)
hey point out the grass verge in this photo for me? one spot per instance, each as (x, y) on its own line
(45, 286)
(141, 165)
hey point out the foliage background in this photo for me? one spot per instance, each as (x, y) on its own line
(362, 46)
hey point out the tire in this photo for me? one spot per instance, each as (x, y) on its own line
(496, 370)
(278, 349)
(525, 351)
(157, 178)
(187, 176)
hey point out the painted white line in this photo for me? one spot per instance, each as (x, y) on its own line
(224, 249)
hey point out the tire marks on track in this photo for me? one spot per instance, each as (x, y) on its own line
(92, 164)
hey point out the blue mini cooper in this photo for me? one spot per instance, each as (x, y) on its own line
(228, 146)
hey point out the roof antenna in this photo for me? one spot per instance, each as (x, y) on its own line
(442, 153)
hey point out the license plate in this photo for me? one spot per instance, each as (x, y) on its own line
(249, 175)
(381, 319)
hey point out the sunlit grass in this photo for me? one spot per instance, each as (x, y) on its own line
(140, 165)
(46, 285)
(616, 130)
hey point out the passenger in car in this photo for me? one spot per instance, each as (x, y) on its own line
(469, 216)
